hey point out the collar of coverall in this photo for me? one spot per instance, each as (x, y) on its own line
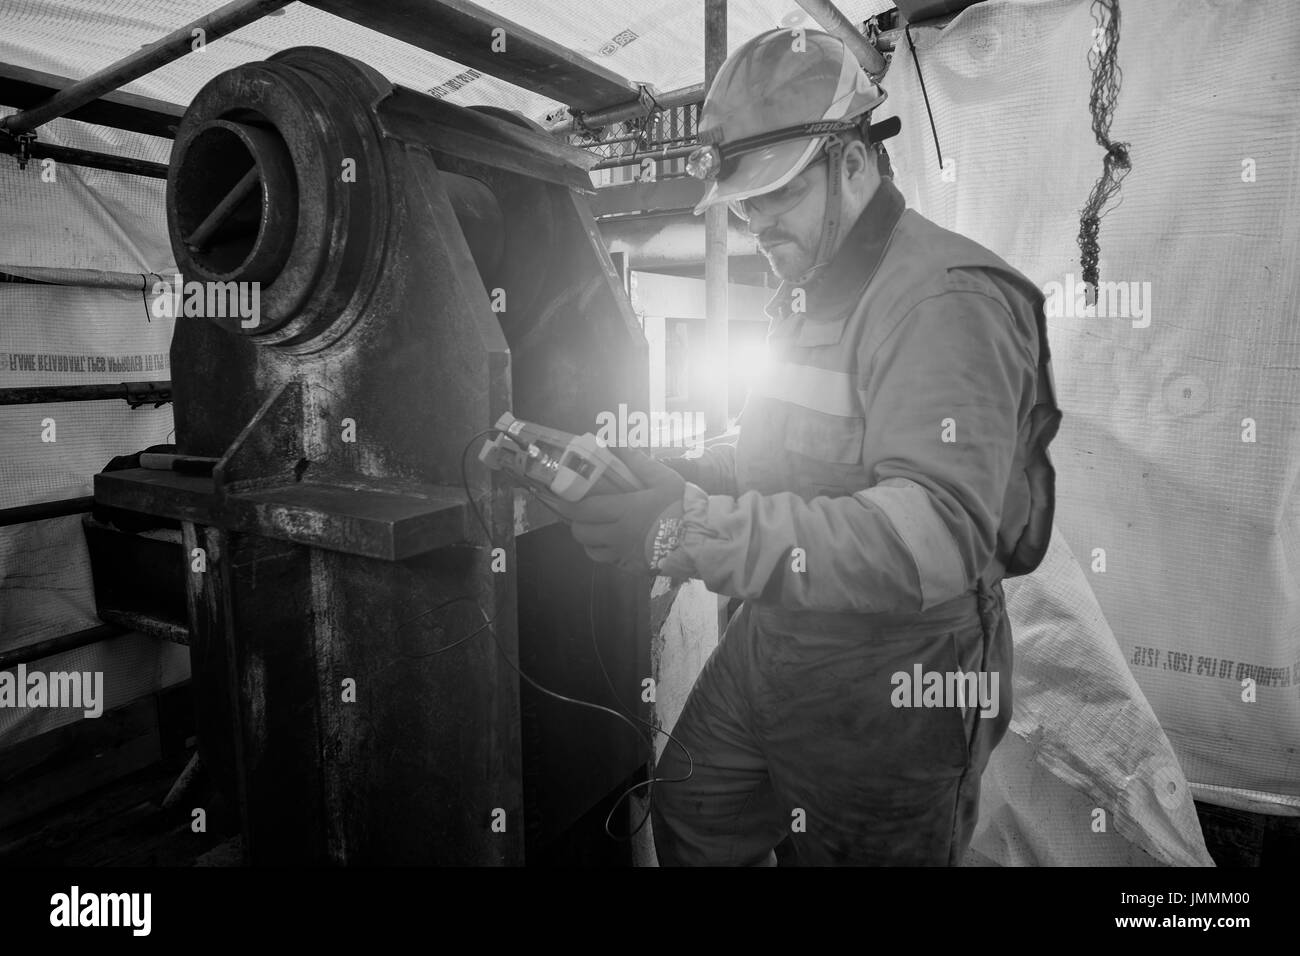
(838, 288)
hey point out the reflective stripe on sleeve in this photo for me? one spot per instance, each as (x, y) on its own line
(817, 388)
(911, 511)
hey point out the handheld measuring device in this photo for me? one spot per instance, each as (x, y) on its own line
(554, 463)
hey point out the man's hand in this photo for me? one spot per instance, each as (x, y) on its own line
(688, 468)
(619, 529)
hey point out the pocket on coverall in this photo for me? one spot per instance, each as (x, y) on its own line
(879, 782)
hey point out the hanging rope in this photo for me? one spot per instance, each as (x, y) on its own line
(1106, 77)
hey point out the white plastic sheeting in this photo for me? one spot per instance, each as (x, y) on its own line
(1085, 776)
(68, 335)
(1185, 533)
(1198, 528)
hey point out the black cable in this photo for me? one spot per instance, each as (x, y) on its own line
(464, 478)
(649, 783)
(550, 693)
(144, 288)
(595, 644)
(487, 626)
(439, 607)
(630, 719)
(649, 740)
(907, 31)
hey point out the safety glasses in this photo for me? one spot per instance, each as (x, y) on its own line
(779, 201)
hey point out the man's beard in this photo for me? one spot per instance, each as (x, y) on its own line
(788, 260)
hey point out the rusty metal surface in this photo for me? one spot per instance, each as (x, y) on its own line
(482, 138)
(577, 622)
(167, 494)
(133, 393)
(143, 622)
(376, 522)
(84, 157)
(139, 579)
(44, 510)
(334, 559)
(213, 682)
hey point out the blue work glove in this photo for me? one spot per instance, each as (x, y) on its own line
(620, 529)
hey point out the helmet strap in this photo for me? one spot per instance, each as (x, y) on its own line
(833, 212)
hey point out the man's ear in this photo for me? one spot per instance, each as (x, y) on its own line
(857, 161)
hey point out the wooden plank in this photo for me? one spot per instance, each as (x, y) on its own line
(463, 32)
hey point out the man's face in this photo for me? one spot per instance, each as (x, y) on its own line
(788, 222)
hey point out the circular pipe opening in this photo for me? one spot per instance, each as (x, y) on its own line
(216, 162)
(236, 201)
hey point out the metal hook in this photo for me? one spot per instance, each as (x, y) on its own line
(24, 153)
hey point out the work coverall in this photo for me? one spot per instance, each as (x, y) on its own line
(866, 515)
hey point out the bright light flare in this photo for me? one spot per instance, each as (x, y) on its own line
(751, 363)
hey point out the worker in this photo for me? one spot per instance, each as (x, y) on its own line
(889, 471)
